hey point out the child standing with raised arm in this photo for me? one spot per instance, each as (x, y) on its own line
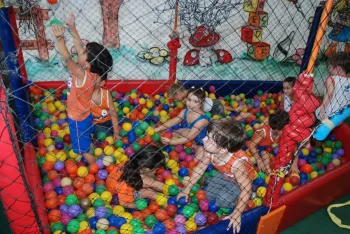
(232, 186)
(287, 98)
(93, 63)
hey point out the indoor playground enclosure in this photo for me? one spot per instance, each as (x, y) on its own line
(238, 51)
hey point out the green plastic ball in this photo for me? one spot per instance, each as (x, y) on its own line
(173, 190)
(71, 199)
(136, 146)
(57, 227)
(144, 125)
(82, 217)
(328, 143)
(141, 204)
(73, 226)
(136, 223)
(150, 221)
(100, 189)
(98, 203)
(188, 211)
(156, 136)
(118, 144)
(338, 145)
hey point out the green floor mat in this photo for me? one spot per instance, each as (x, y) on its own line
(4, 225)
(321, 223)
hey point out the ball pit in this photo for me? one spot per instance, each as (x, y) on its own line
(75, 193)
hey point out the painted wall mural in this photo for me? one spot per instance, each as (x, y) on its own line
(220, 39)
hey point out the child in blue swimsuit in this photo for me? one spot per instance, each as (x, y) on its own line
(194, 123)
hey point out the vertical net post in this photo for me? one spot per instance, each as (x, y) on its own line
(20, 92)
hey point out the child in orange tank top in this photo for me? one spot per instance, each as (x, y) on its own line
(232, 185)
(94, 62)
(104, 112)
(267, 135)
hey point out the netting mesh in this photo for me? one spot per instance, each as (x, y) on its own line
(153, 158)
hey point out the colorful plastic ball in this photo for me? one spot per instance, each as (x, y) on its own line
(73, 226)
(119, 222)
(101, 212)
(150, 221)
(307, 168)
(287, 187)
(93, 222)
(49, 186)
(141, 204)
(74, 210)
(127, 126)
(261, 192)
(188, 211)
(71, 199)
(212, 206)
(180, 219)
(183, 172)
(191, 226)
(204, 205)
(102, 174)
(102, 224)
(159, 228)
(59, 165)
(200, 219)
(181, 229)
(161, 199)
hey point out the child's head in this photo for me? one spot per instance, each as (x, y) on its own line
(288, 84)
(177, 91)
(277, 121)
(145, 161)
(195, 98)
(223, 136)
(97, 58)
(339, 64)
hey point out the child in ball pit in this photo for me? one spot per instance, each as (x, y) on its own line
(265, 136)
(287, 98)
(94, 62)
(232, 186)
(134, 179)
(103, 111)
(194, 122)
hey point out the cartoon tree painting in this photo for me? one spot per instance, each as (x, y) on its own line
(110, 11)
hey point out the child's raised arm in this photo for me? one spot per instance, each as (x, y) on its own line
(76, 38)
(74, 68)
(171, 122)
(245, 185)
(114, 116)
(327, 97)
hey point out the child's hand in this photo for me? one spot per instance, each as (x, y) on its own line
(261, 164)
(165, 141)
(71, 21)
(58, 31)
(157, 129)
(294, 168)
(182, 194)
(235, 222)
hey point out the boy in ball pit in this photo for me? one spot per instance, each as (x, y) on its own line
(232, 186)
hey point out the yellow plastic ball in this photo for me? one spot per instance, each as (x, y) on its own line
(242, 95)
(328, 150)
(47, 131)
(150, 131)
(165, 189)
(61, 108)
(117, 210)
(287, 187)
(127, 126)
(73, 155)
(163, 119)
(48, 142)
(305, 151)
(235, 104)
(110, 140)
(117, 153)
(170, 182)
(126, 110)
(257, 201)
(172, 163)
(163, 113)
(83, 226)
(142, 101)
(267, 179)
(149, 104)
(108, 150)
(144, 111)
(271, 112)
(106, 196)
(82, 171)
(133, 95)
(161, 199)
(98, 152)
(61, 155)
(51, 157)
(261, 191)
(190, 226)
(126, 229)
(180, 105)
(313, 174)
(122, 158)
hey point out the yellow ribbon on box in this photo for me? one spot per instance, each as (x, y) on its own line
(334, 218)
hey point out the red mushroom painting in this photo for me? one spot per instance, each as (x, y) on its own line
(205, 39)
